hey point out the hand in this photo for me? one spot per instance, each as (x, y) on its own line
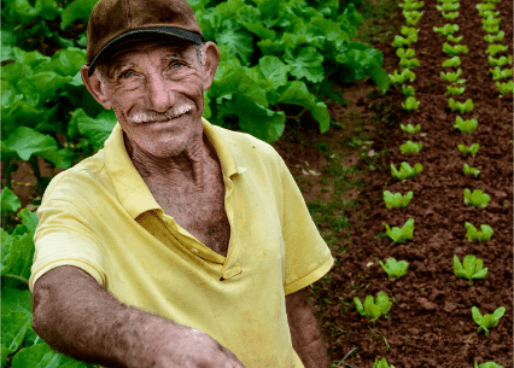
(193, 348)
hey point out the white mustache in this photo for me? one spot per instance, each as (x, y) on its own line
(146, 118)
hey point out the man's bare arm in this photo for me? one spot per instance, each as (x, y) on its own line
(77, 317)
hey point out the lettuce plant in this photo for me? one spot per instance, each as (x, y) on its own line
(452, 77)
(477, 199)
(450, 16)
(494, 49)
(490, 13)
(455, 39)
(410, 104)
(470, 269)
(482, 8)
(405, 53)
(408, 90)
(455, 91)
(406, 171)
(454, 50)
(461, 107)
(371, 309)
(495, 38)
(400, 41)
(473, 149)
(491, 29)
(406, 74)
(466, 126)
(412, 17)
(470, 170)
(408, 6)
(448, 29)
(448, 7)
(481, 236)
(409, 63)
(490, 21)
(454, 61)
(400, 235)
(397, 200)
(383, 364)
(488, 365)
(409, 129)
(411, 147)
(501, 74)
(500, 61)
(410, 32)
(487, 321)
(505, 87)
(394, 268)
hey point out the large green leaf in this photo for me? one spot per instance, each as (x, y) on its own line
(22, 12)
(239, 82)
(80, 9)
(65, 62)
(9, 40)
(41, 87)
(16, 316)
(98, 129)
(17, 254)
(250, 18)
(274, 70)
(307, 64)
(10, 201)
(238, 40)
(27, 142)
(296, 93)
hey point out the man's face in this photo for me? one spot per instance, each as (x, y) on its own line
(156, 90)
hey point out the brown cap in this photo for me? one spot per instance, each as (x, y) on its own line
(112, 21)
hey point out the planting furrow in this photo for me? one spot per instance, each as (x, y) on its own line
(448, 292)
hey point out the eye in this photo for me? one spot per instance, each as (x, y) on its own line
(125, 73)
(173, 63)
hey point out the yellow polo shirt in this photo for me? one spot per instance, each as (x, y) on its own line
(100, 216)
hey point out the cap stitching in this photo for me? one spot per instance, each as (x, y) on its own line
(129, 11)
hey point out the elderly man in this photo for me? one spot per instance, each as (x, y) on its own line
(180, 243)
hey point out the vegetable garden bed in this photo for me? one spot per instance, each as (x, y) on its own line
(430, 321)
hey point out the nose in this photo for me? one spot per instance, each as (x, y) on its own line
(160, 95)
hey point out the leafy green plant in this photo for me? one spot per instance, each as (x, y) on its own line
(461, 107)
(495, 38)
(451, 16)
(482, 8)
(405, 53)
(406, 171)
(383, 364)
(487, 321)
(470, 269)
(415, 5)
(410, 104)
(455, 39)
(411, 147)
(448, 7)
(400, 41)
(470, 170)
(410, 32)
(455, 91)
(491, 29)
(499, 74)
(466, 126)
(401, 235)
(452, 77)
(488, 365)
(408, 90)
(371, 309)
(412, 17)
(454, 50)
(500, 61)
(406, 74)
(477, 199)
(447, 29)
(473, 149)
(394, 268)
(397, 200)
(494, 49)
(490, 20)
(409, 63)
(505, 88)
(410, 129)
(481, 236)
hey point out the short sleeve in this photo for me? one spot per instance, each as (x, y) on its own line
(307, 257)
(66, 236)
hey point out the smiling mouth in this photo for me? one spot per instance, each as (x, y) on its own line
(166, 121)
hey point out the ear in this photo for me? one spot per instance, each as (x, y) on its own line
(212, 60)
(95, 86)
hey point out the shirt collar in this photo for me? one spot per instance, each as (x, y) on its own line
(132, 191)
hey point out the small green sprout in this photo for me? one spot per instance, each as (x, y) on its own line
(491, 21)
(485, 8)
(397, 200)
(401, 235)
(488, 365)
(470, 170)
(487, 321)
(473, 149)
(448, 7)
(451, 16)
(400, 41)
(466, 126)
(411, 6)
(371, 309)
(410, 104)
(454, 61)
(495, 38)
(409, 129)
(454, 50)
(505, 88)
(405, 53)
(491, 29)
(452, 77)
(470, 269)
(383, 364)
(481, 236)
(412, 17)
(501, 74)
(455, 91)
(477, 199)
(406, 74)
(407, 90)
(411, 147)
(498, 62)
(406, 171)
(448, 29)
(410, 32)
(490, 14)
(455, 39)
(409, 63)
(461, 107)
(394, 268)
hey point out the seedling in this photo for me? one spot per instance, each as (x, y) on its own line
(501, 74)
(488, 365)
(461, 107)
(448, 29)
(470, 170)
(452, 77)
(500, 61)
(489, 320)
(491, 29)
(400, 41)
(451, 16)
(482, 8)
(397, 200)
(455, 39)
(401, 235)
(383, 364)
(371, 309)
(490, 21)
(473, 149)
(454, 61)
(406, 74)
(481, 236)
(410, 104)
(406, 171)
(470, 269)
(408, 90)
(454, 50)
(448, 7)
(455, 91)
(405, 53)
(505, 87)
(411, 147)
(466, 126)
(410, 32)
(411, 6)
(494, 49)
(394, 268)
(409, 63)
(410, 129)
(477, 199)
(490, 14)
(495, 38)
(412, 17)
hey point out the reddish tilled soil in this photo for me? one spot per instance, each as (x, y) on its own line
(431, 323)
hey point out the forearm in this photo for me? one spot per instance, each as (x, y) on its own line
(307, 339)
(88, 324)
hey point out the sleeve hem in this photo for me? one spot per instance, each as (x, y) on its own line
(310, 278)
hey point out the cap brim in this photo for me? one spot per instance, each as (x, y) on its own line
(173, 32)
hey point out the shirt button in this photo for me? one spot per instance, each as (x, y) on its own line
(194, 250)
